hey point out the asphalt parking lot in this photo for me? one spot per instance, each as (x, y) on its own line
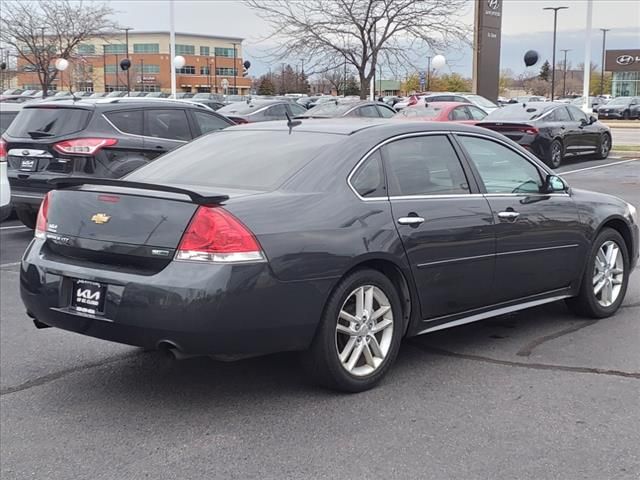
(540, 394)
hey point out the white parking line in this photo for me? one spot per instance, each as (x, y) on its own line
(5, 265)
(598, 166)
(12, 227)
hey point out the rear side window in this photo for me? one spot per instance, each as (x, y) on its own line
(424, 166)
(368, 111)
(169, 123)
(476, 113)
(5, 120)
(459, 113)
(247, 159)
(368, 180)
(48, 122)
(127, 121)
(386, 112)
(209, 123)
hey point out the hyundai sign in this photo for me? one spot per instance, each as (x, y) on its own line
(622, 61)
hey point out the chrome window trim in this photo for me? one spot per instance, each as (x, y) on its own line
(135, 134)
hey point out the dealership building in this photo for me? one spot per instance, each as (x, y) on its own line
(212, 64)
(624, 66)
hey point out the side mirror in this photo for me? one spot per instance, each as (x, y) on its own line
(592, 119)
(554, 184)
(583, 122)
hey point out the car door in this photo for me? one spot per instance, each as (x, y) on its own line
(165, 129)
(444, 223)
(589, 134)
(560, 125)
(540, 246)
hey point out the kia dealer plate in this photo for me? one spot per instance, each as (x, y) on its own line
(28, 164)
(88, 297)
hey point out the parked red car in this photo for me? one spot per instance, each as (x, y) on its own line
(443, 112)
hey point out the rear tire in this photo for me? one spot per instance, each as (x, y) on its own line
(27, 216)
(553, 157)
(603, 285)
(359, 334)
(604, 147)
(626, 115)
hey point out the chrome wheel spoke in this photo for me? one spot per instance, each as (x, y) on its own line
(601, 258)
(348, 348)
(599, 287)
(616, 281)
(380, 326)
(375, 347)
(617, 271)
(368, 300)
(607, 292)
(368, 357)
(380, 312)
(359, 302)
(348, 317)
(345, 330)
(355, 356)
(608, 275)
(598, 277)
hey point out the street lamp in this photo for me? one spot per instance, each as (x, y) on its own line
(555, 29)
(235, 68)
(61, 65)
(604, 40)
(564, 72)
(127, 62)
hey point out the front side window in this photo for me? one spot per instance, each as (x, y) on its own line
(501, 169)
(425, 165)
(167, 123)
(368, 180)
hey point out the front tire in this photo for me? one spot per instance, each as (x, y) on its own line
(554, 154)
(604, 147)
(605, 278)
(359, 333)
(27, 216)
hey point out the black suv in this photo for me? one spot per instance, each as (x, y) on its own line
(103, 138)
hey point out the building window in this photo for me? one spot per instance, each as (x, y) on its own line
(146, 48)
(29, 68)
(115, 88)
(86, 49)
(204, 71)
(185, 49)
(186, 70)
(115, 48)
(226, 72)
(149, 68)
(625, 84)
(204, 51)
(224, 52)
(111, 68)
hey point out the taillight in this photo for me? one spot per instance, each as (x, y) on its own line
(43, 213)
(3, 150)
(530, 130)
(84, 146)
(214, 235)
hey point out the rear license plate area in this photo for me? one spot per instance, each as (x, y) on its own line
(28, 165)
(88, 297)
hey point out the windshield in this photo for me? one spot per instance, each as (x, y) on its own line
(620, 101)
(423, 112)
(257, 160)
(518, 112)
(329, 109)
(242, 108)
(479, 100)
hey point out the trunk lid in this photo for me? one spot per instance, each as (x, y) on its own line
(512, 130)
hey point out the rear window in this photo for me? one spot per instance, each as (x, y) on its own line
(5, 120)
(329, 109)
(48, 122)
(520, 112)
(421, 111)
(242, 108)
(257, 160)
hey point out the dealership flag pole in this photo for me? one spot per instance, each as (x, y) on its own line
(587, 58)
(172, 48)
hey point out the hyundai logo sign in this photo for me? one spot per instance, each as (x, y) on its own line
(626, 60)
(493, 4)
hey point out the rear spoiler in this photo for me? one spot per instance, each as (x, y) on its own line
(197, 198)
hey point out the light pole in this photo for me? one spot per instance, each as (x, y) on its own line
(235, 69)
(428, 73)
(604, 43)
(555, 29)
(126, 41)
(172, 48)
(564, 71)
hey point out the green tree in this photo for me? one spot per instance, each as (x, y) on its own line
(594, 84)
(353, 87)
(266, 86)
(545, 71)
(456, 83)
(412, 84)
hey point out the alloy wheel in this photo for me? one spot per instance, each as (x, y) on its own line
(556, 154)
(364, 330)
(604, 146)
(608, 274)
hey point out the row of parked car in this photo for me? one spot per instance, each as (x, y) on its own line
(113, 136)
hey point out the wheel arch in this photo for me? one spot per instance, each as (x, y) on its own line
(622, 227)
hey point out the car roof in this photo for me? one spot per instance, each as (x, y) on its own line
(11, 107)
(351, 126)
(93, 103)
(443, 105)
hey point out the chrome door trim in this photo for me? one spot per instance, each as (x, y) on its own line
(19, 152)
(141, 136)
(533, 250)
(492, 313)
(455, 260)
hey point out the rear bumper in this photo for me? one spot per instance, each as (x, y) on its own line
(203, 309)
(27, 196)
(617, 115)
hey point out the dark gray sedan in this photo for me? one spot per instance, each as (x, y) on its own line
(333, 238)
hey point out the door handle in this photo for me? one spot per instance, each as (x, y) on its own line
(508, 215)
(410, 220)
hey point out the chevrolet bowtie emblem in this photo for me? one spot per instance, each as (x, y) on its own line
(100, 218)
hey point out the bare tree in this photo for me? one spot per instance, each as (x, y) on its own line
(362, 32)
(41, 32)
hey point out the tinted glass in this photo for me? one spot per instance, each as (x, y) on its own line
(424, 166)
(171, 124)
(368, 180)
(329, 109)
(237, 159)
(127, 122)
(278, 112)
(480, 100)
(476, 113)
(49, 122)
(519, 112)
(502, 170)
(5, 120)
(386, 112)
(242, 108)
(368, 111)
(459, 113)
(577, 114)
(432, 111)
(559, 115)
(440, 98)
(209, 123)
(620, 101)
(297, 109)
